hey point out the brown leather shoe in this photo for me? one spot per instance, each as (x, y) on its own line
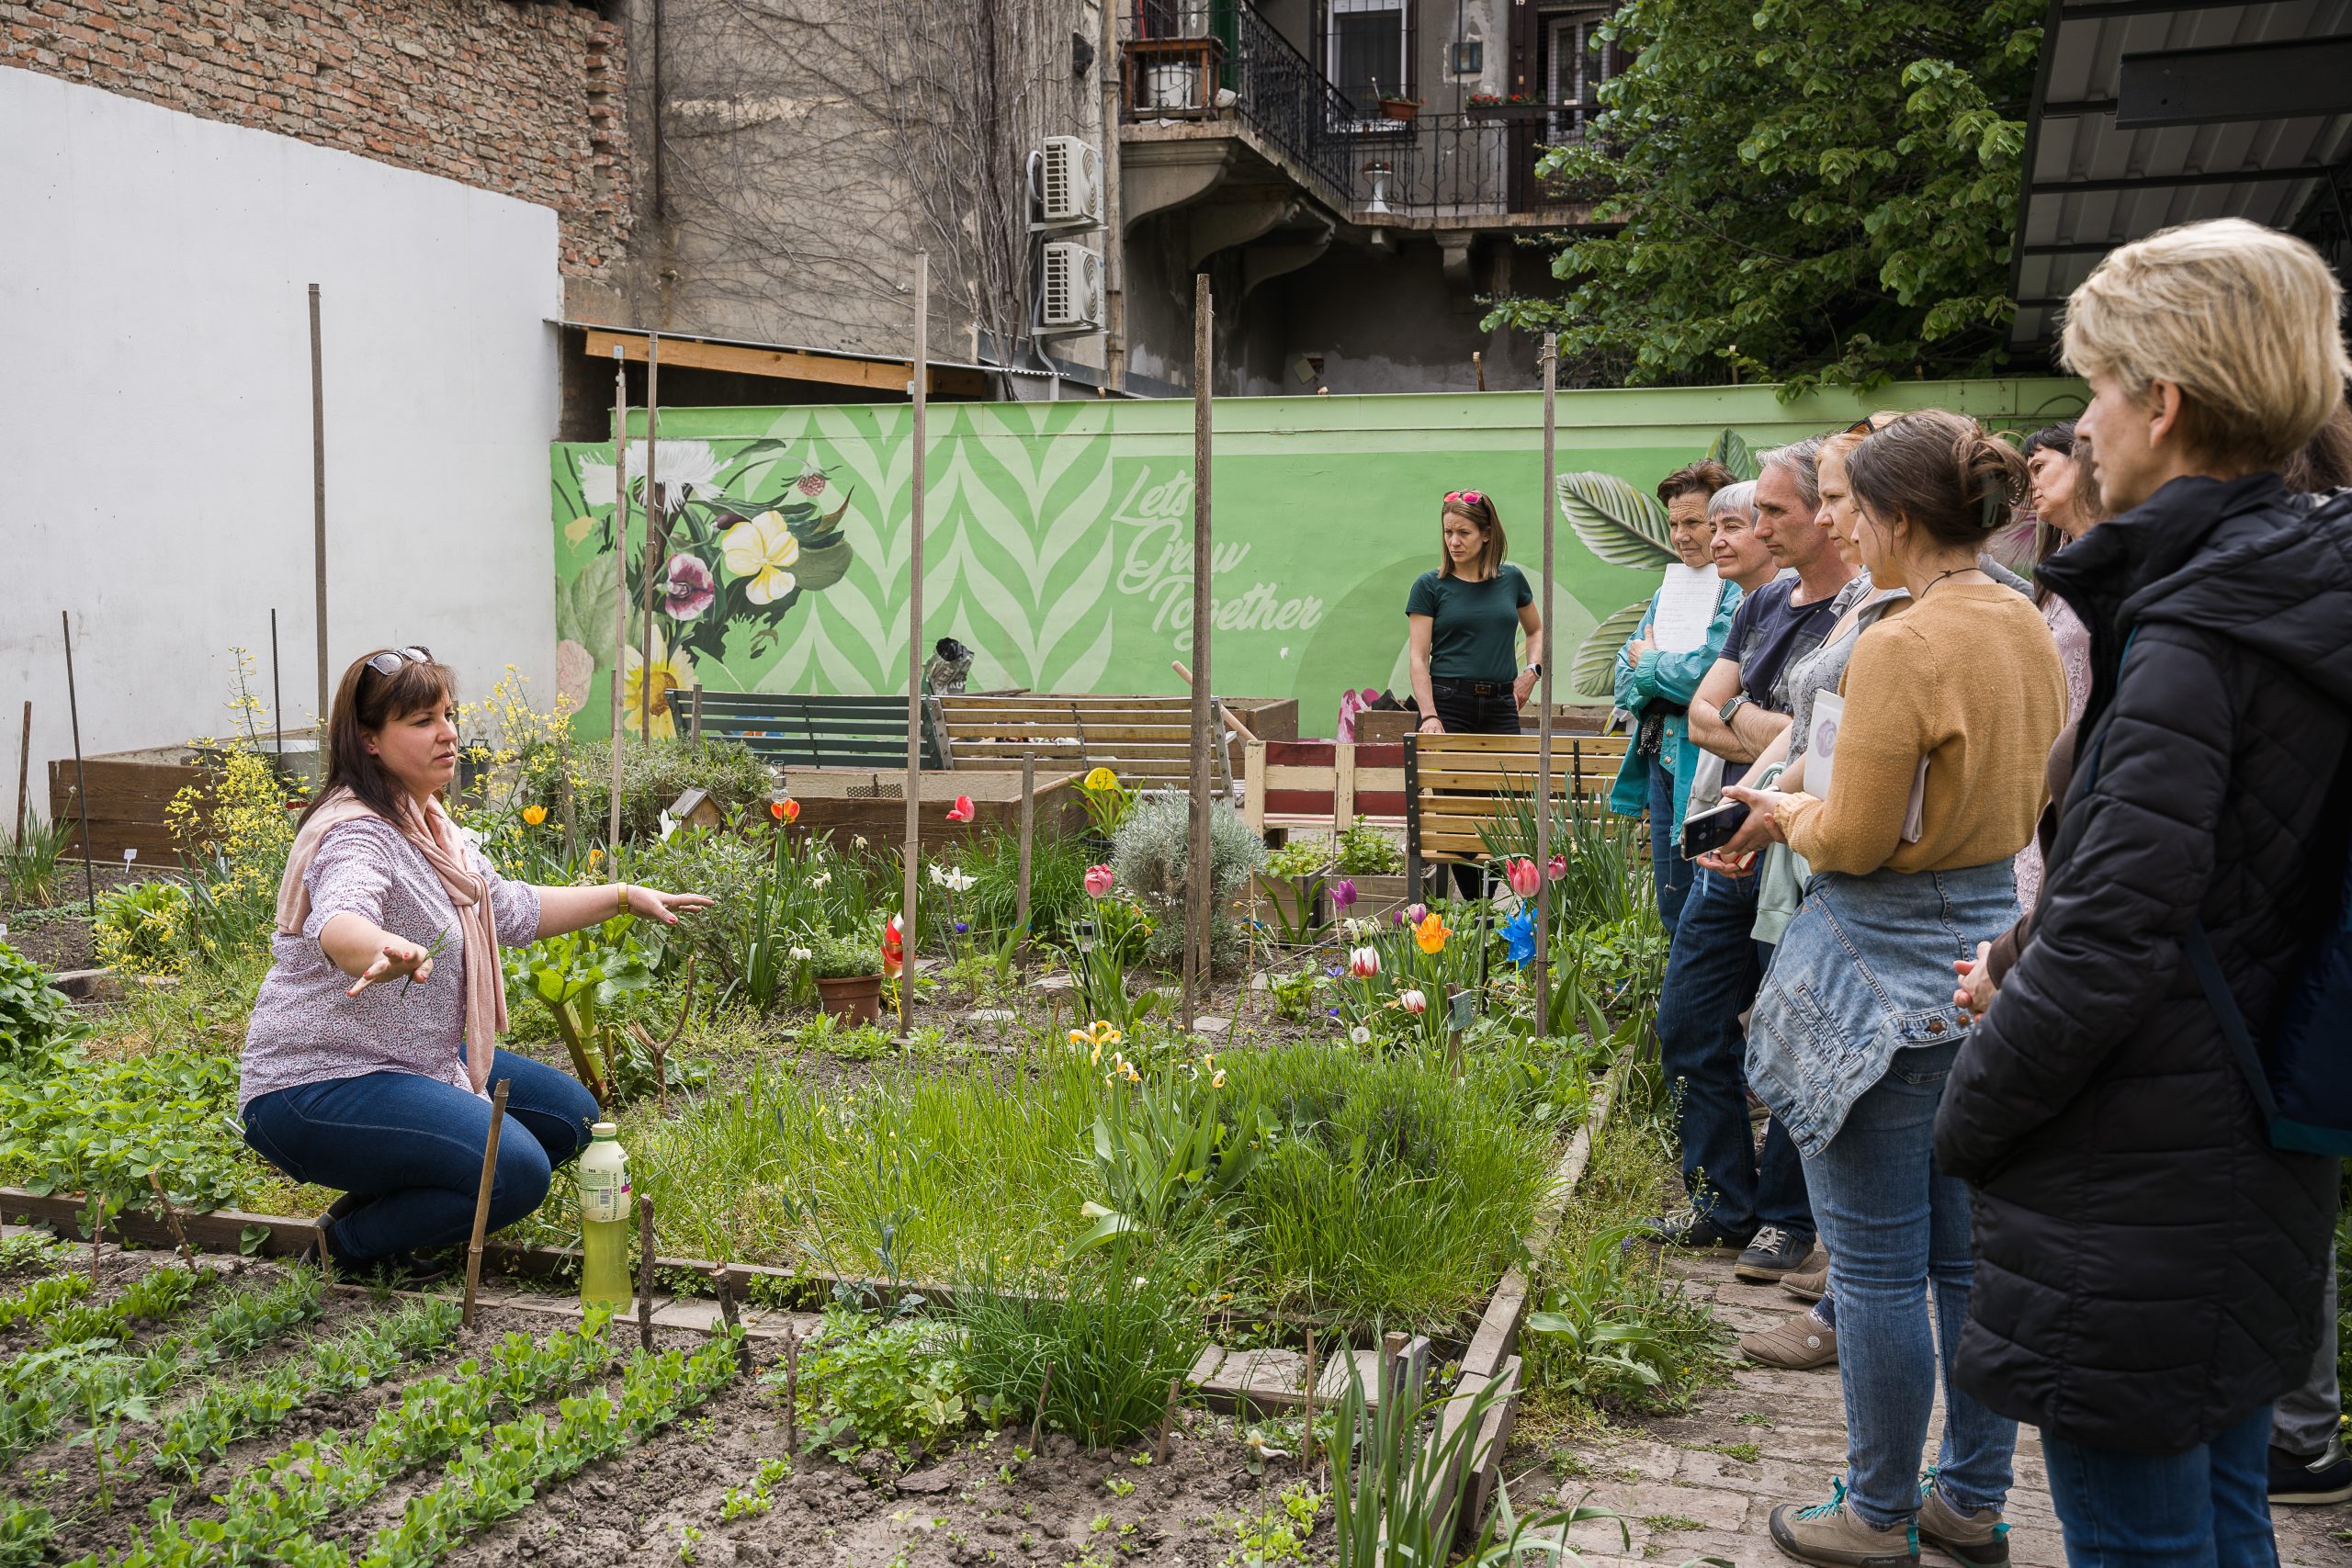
(1801, 1344)
(1810, 1281)
(1831, 1535)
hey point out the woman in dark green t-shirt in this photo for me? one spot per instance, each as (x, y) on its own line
(1463, 620)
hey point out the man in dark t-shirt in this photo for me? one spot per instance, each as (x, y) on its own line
(1739, 1200)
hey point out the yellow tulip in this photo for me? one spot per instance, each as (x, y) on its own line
(535, 815)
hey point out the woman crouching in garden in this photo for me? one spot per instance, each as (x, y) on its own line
(351, 1081)
(1851, 1037)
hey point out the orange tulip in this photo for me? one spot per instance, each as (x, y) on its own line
(1432, 932)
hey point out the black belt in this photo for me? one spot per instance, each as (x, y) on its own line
(1477, 688)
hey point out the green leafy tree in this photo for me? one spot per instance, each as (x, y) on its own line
(1810, 191)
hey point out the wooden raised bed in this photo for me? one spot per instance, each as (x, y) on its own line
(130, 793)
(872, 802)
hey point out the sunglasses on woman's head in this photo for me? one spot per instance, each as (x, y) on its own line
(389, 663)
(1468, 497)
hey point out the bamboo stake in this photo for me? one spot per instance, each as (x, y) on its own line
(171, 1216)
(318, 512)
(481, 1203)
(1307, 1429)
(81, 789)
(1543, 697)
(620, 590)
(653, 530)
(645, 1272)
(918, 389)
(1199, 871)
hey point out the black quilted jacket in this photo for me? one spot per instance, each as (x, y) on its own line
(2148, 1268)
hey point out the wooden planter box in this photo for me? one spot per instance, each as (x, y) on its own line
(1293, 896)
(131, 792)
(1378, 898)
(872, 802)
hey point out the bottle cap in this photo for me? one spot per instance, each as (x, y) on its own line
(605, 1130)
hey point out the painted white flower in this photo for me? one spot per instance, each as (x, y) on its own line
(764, 550)
(682, 463)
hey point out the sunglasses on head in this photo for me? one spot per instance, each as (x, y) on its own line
(1866, 425)
(1468, 497)
(389, 662)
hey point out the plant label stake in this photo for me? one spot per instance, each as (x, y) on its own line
(1037, 1422)
(481, 1204)
(645, 1272)
(1167, 1421)
(172, 1217)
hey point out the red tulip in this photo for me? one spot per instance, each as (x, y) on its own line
(1523, 877)
(1098, 880)
(962, 810)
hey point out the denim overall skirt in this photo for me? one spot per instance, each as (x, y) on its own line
(1863, 973)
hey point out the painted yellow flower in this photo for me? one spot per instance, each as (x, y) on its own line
(672, 671)
(764, 550)
(1102, 778)
(535, 815)
(1432, 932)
(577, 529)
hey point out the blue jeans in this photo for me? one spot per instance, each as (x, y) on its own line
(415, 1146)
(1712, 972)
(1893, 1225)
(2205, 1509)
(1668, 869)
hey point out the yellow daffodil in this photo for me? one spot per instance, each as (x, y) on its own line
(1080, 1037)
(670, 671)
(1432, 932)
(535, 815)
(764, 550)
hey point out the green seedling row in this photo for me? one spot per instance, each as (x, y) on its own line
(269, 1512)
(25, 1530)
(204, 1428)
(498, 1475)
(43, 1297)
(42, 1391)
(155, 1297)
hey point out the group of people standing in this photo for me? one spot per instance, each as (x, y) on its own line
(2047, 1187)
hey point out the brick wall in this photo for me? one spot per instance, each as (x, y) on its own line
(523, 99)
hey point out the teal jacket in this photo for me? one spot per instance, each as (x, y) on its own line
(1673, 677)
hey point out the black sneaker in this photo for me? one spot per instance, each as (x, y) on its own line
(1771, 1253)
(2301, 1481)
(1690, 1230)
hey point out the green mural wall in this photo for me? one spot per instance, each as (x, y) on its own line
(1058, 534)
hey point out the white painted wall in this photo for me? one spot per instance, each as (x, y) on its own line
(156, 417)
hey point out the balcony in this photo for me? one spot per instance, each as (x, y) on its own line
(1212, 97)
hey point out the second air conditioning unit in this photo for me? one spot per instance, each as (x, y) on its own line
(1070, 300)
(1072, 178)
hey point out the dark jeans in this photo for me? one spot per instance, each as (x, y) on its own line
(1668, 869)
(2206, 1508)
(415, 1146)
(1711, 973)
(1465, 710)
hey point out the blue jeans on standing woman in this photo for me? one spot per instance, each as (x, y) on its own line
(1668, 870)
(1895, 1228)
(1473, 707)
(413, 1146)
(2205, 1509)
(1712, 971)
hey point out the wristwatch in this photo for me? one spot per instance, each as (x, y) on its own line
(1731, 708)
(1536, 670)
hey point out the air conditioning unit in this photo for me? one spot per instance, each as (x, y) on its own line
(1070, 300)
(1073, 183)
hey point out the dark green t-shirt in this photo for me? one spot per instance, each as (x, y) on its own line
(1474, 630)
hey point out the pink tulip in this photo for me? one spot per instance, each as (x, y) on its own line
(1558, 869)
(1523, 877)
(962, 810)
(1412, 914)
(1413, 1002)
(1343, 893)
(1363, 963)
(1099, 880)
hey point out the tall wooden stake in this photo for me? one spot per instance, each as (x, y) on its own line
(1028, 834)
(1199, 871)
(620, 591)
(24, 767)
(318, 514)
(81, 790)
(481, 1203)
(918, 387)
(654, 529)
(1543, 697)
(278, 694)
(644, 1272)
(172, 1215)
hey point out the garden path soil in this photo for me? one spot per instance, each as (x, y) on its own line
(1681, 1496)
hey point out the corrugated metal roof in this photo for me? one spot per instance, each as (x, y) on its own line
(2091, 186)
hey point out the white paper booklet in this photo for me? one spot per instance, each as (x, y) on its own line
(1820, 763)
(1686, 605)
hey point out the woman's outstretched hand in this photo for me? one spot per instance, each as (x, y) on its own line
(399, 957)
(652, 904)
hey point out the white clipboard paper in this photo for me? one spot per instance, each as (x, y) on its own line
(1820, 763)
(1686, 607)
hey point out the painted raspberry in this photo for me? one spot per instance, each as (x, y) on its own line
(812, 482)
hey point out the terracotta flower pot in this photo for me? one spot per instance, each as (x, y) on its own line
(853, 999)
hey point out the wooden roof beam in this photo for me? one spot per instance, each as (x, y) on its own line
(788, 365)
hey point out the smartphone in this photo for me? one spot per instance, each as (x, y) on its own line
(1712, 829)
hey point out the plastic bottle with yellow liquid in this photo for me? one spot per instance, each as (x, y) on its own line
(606, 1205)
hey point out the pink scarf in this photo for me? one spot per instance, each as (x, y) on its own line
(435, 838)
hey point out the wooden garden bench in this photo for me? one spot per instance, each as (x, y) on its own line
(1454, 785)
(1145, 741)
(822, 732)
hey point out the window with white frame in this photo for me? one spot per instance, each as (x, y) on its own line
(1574, 65)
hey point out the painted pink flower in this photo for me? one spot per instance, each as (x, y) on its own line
(690, 588)
(1099, 880)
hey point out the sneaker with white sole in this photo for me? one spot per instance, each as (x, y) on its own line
(1832, 1535)
(2298, 1481)
(1980, 1539)
(1771, 1253)
(1801, 1344)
